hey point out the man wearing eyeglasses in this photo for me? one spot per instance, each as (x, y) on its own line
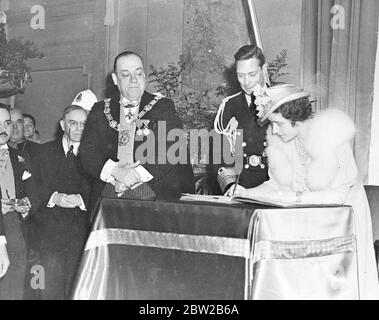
(63, 221)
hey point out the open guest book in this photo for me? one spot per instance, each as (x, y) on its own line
(263, 200)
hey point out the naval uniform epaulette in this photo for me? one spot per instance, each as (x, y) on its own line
(226, 99)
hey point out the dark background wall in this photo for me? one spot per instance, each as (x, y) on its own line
(73, 45)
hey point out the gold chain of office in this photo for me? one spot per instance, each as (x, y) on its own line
(113, 123)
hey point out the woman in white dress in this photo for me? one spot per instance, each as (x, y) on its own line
(311, 161)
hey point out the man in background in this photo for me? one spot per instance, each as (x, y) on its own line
(63, 220)
(30, 132)
(17, 139)
(19, 142)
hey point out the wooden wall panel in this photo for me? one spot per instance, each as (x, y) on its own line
(153, 28)
(79, 49)
(74, 45)
(49, 93)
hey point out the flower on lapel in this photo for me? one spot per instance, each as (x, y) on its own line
(26, 175)
(20, 159)
(262, 100)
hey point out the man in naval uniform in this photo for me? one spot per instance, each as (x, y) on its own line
(117, 127)
(250, 68)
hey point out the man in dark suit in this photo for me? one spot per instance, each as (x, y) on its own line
(17, 139)
(30, 132)
(117, 131)
(250, 68)
(19, 142)
(19, 202)
(63, 219)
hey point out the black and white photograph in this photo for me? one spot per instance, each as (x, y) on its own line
(189, 154)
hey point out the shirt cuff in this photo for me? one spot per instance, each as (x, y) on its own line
(82, 205)
(106, 172)
(24, 215)
(145, 175)
(3, 240)
(51, 204)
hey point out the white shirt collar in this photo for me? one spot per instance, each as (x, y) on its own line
(126, 101)
(66, 146)
(4, 147)
(248, 98)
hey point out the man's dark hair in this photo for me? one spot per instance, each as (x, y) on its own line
(248, 52)
(5, 106)
(124, 54)
(296, 110)
(27, 115)
(70, 108)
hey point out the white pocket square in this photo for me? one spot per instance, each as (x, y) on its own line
(26, 175)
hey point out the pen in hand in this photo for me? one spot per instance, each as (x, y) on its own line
(235, 185)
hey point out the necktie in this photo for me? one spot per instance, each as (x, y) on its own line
(4, 155)
(252, 106)
(71, 157)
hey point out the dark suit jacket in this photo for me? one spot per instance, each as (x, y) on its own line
(254, 136)
(30, 147)
(60, 233)
(54, 176)
(100, 143)
(33, 150)
(24, 188)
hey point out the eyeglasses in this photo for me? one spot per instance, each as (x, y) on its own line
(76, 124)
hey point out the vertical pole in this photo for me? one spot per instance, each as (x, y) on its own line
(257, 33)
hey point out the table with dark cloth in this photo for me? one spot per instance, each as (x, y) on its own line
(174, 250)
